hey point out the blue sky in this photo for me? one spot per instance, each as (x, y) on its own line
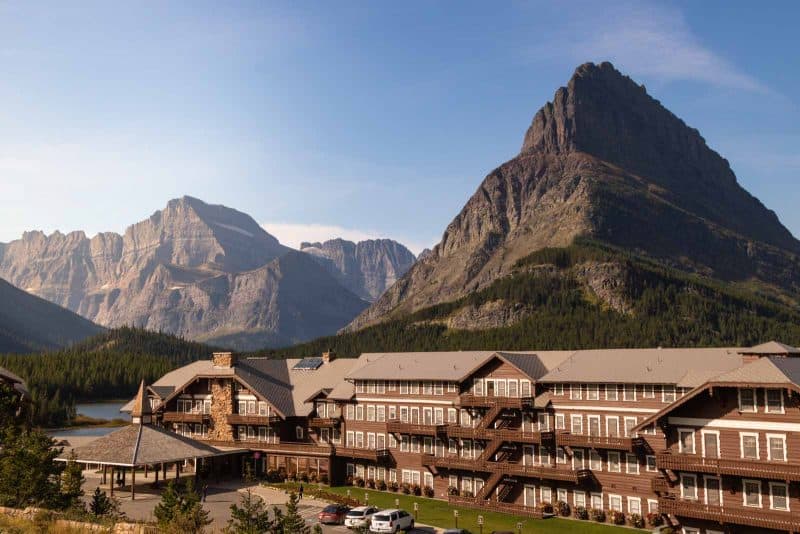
(359, 119)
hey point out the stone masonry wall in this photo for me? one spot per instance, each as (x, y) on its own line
(221, 406)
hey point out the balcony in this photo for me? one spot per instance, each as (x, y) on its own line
(520, 436)
(375, 455)
(660, 485)
(732, 515)
(398, 427)
(546, 472)
(728, 466)
(466, 432)
(286, 447)
(595, 442)
(183, 417)
(494, 506)
(481, 401)
(251, 419)
(454, 462)
(324, 422)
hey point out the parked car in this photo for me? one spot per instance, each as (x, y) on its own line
(392, 521)
(455, 531)
(333, 514)
(361, 516)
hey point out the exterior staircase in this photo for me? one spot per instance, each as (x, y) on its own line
(488, 488)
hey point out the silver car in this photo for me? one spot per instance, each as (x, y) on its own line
(359, 516)
(391, 522)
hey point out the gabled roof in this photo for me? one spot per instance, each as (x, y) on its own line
(771, 347)
(141, 404)
(137, 445)
(776, 372)
(16, 382)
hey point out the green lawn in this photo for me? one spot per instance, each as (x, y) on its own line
(439, 513)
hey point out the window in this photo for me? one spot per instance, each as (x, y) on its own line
(404, 443)
(611, 392)
(615, 503)
(427, 388)
(477, 387)
(427, 445)
(428, 479)
(452, 446)
(634, 505)
(404, 388)
(350, 438)
(392, 413)
(381, 387)
(668, 394)
(561, 494)
(513, 388)
(580, 498)
(545, 457)
(371, 412)
(452, 387)
(592, 392)
(612, 426)
(747, 400)
(359, 386)
(614, 462)
(713, 491)
(542, 421)
(414, 389)
(749, 445)
(350, 412)
(392, 441)
(595, 461)
(776, 447)
(686, 441)
(688, 486)
(578, 459)
(577, 424)
(560, 422)
(561, 456)
(452, 415)
(778, 496)
(298, 432)
(648, 391)
(651, 463)
(629, 392)
(404, 414)
(597, 501)
(438, 416)
(525, 388)
(575, 392)
(438, 389)
(393, 475)
(630, 422)
(547, 495)
(652, 506)
(360, 440)
(751, 493)
(774, 403)
(558, 390)
(359, 412)
(631, 464)
(415, 446)
(710, 443)
(499, 388)
(452, 481)
(351, 470)
(370, 386)
(594, 424)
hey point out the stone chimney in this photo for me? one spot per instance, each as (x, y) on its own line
(328, 356)
(225, 360)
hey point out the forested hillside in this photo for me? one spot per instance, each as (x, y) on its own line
(107, 366)
(655, 306)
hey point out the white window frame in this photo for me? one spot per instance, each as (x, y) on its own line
(582, 454)
(706, 478)
(561, 421)
(612, 388)
(772, 495)
(611, 498)
(782, 437)
(628, 464)
(596, 498)
(558, 390)
(575, 392)
(745, 481)
(572, 419)
(609, 463)
(579, 502)
(652, 506)
(592, 392)
(751, 408)
(766, 401)
(703, 434)
(648, 464)
(614, 418)
(682, 431)
(696, 489)
(589, 419)
(595, 461)
(525, 389)
(627, 428)
(478, 387)
(648, 392)
(625, 396)
(515, 383)
(743, 435)
(636, 500)
(668, 391)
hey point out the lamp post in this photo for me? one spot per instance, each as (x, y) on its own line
(455, 517)
(416, 511)
(480, 523)
(519, 527)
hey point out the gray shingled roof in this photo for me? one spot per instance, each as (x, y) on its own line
(137, 445)
(16, 382)
(767, 370)
(771, 347)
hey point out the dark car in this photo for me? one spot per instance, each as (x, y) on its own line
(333, 514)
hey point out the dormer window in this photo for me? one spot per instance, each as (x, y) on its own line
(774, 401)
(747, 400)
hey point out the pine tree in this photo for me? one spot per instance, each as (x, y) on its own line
(100, 504)
(252, 517)
(180, 511)
(29, 474)
(292, 521)
(72, 484)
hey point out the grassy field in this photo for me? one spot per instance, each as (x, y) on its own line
(439, 513)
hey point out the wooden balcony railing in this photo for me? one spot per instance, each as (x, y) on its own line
(520, 436)
(503, 507)
(595, 442)
(660, 485)
(729, 466)
(762, 518)
(546, 472)
(458, 431)
(376, 455)
(399, 427)
(324, 422)
(183, 417)
(251, 419)
(274, 445)
(482, 401)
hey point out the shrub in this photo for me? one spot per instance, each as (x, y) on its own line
(467, 493)
(654, 519)
(545, 507)
(371, 483)
(323, 479)
(312, 477)
(598, 515)
(359, 482)
(303, 477)
(416, 489)
(428, 491)
(563, 509)
(381, 485)
(275, 475)
(581, 513)
(349, 480)
(618, 518)
(405, 488)
(393, 486)
(636, 520)
(452, 490)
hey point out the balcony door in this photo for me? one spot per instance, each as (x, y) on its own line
(713, 491)
(427, 416)
(530, 496)
(594, 425)
(414, 416)
(710, 444)
(490, 388)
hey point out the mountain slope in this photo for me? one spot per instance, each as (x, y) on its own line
(28, 323)
(605, 161)
(366, 268)
(205, 272)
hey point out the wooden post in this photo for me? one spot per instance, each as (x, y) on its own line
(111, 482)
(133, 483)
(157, 470)
(145, 471)
(177, 471)
(105, 467)
(164, 468)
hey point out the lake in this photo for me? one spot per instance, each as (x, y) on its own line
(102, 410)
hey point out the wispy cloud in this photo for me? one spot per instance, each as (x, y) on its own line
(645, 40)
(292, 234)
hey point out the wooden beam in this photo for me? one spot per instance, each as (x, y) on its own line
(133, 483)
